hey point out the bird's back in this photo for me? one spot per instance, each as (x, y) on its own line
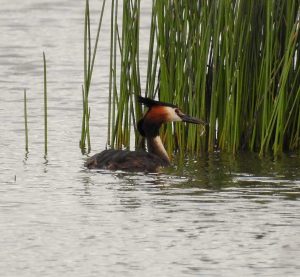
(126, 160)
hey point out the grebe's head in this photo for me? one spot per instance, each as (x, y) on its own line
(161, 112)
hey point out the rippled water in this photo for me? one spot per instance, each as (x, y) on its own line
(217, 216)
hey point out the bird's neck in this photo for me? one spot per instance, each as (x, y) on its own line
(156, 147)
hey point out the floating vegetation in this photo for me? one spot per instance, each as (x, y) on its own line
(233, 63)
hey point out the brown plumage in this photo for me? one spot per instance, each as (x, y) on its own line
(127, 161)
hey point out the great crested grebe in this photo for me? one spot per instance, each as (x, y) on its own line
(156, 157)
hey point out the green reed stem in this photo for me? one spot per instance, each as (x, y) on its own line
(110, 73)
(45, 107)
(25, 121)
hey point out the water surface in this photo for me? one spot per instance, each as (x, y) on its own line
(215, 216)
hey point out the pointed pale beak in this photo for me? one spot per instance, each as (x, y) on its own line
(190, 119)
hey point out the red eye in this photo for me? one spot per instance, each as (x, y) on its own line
(178, 112)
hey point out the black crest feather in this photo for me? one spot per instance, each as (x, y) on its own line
(150, 102)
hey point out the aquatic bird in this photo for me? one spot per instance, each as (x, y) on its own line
(140, 160)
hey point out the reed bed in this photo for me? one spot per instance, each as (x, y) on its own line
(89, 61)
(234, 63)
(123, 107)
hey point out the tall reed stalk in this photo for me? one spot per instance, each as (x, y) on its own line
(235, 63)
(45, 107)
(89, 62)
(26, 122)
